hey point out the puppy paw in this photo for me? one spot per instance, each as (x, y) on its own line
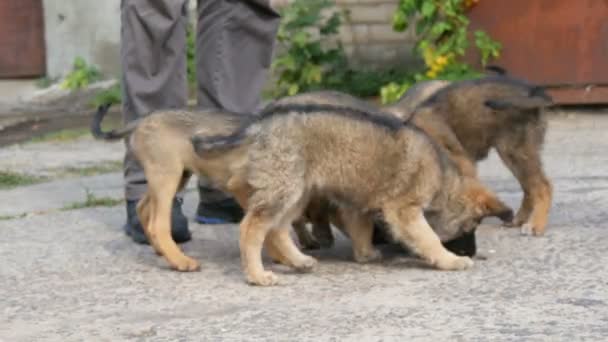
(530, 229)
(185, 264)
(516, 222)
(454, 263)
(368, 256)
(266, 278)
(306, 265)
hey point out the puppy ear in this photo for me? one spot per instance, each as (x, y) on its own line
(520, 102)
(487, 204)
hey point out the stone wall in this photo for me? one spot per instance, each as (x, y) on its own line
(368, 35)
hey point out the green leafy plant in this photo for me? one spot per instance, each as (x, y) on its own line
(191, 54)
(442, 39)
(112, 95)
(81, 75)
(363, 83)
(310, 53)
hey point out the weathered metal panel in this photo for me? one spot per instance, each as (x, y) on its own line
(593, 94)
(21, 39)
(550, 42)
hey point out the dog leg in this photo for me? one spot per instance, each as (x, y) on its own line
(321, 231)
(360, 229)
(143, 212)
(409, 226)
(241, 192)
(526, 166)
(275, 254)
(306, 239)
(318, 212)
(161, 190)
(253, 230)
(283, 244)
(542, 191)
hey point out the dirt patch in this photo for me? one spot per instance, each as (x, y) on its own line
(32, 127)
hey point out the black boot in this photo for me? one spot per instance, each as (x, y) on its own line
(179, 223)
(221, 212)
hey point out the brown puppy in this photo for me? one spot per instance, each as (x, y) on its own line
(437, 130)
(161, 143)
(367, 163)
(503, 113)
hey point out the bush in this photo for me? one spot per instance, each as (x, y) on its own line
(442, 38)
(309, 55)
(81, 75)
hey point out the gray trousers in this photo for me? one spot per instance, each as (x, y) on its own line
(234, 45)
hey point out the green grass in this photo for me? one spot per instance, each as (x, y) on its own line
(93, 201)
(63, 135)
(9, 179)
(97, 169)
(11, 217)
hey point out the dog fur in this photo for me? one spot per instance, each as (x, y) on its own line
(366, 163)
(503, 113)
(441, 134)
(161, 143)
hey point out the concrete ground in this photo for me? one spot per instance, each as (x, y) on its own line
(72, 275)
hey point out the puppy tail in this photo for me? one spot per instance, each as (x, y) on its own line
(112, 135)
(204, 145)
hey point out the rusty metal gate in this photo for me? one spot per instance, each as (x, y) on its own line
(562, 44)
(22, 49)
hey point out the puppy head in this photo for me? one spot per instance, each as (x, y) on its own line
(464, 209)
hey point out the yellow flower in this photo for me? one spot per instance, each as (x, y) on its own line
(431, 74)
(441, 60)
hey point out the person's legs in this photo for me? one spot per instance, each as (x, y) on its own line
(153, 58)
(235, 41)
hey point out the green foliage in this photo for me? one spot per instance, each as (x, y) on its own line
(487, 47)
(12, 217)
(93, 201)
(81, 75)
(111, 95)
(393, 91)
(9, 179)
(44, 82)
(442, 39)
(363, 83)
(310, 56)
(191, 54)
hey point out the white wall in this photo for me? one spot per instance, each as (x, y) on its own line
(87, 28)
(91, 29)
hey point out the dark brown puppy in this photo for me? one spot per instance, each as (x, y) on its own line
(503, 113)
